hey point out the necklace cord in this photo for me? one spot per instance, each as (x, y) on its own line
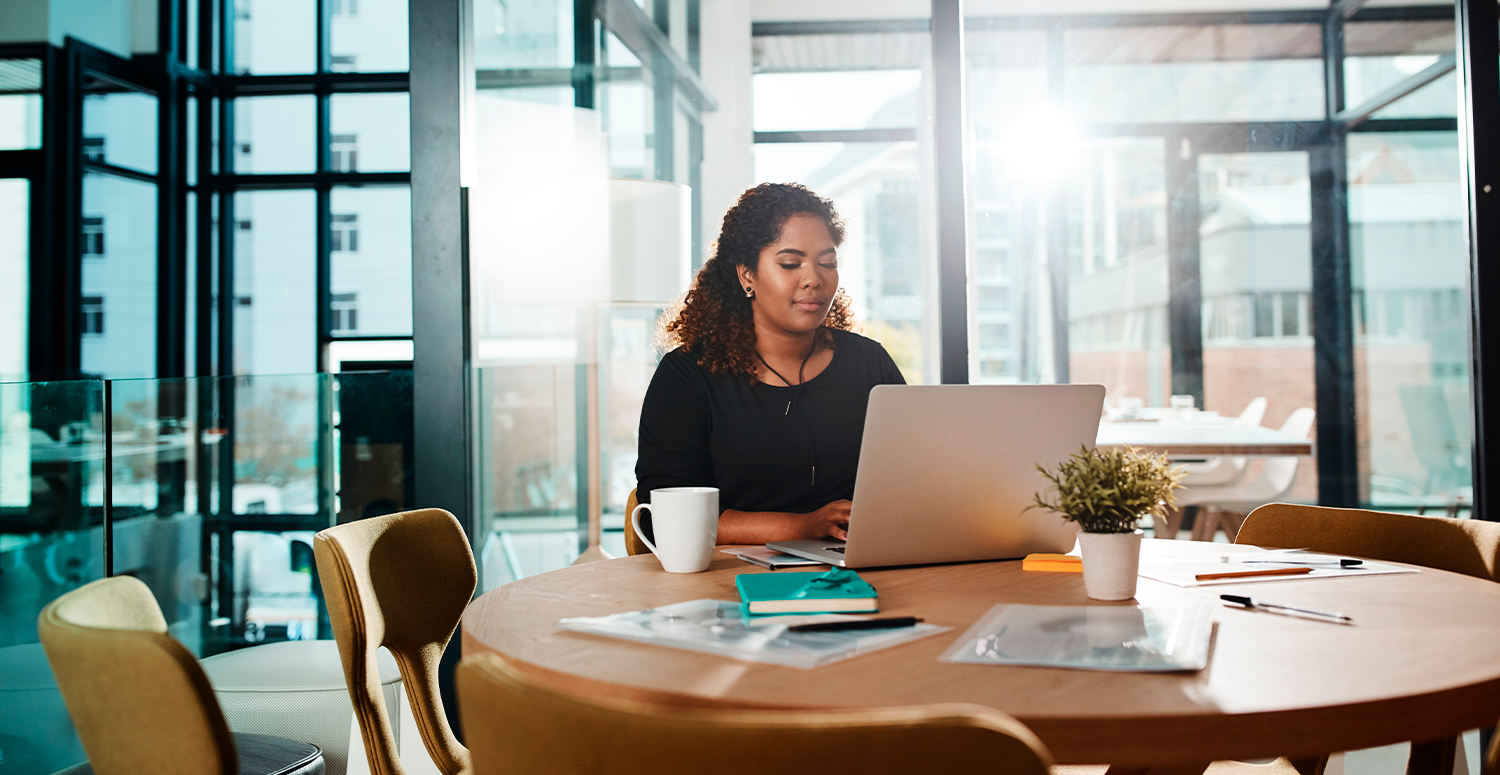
(800, 382)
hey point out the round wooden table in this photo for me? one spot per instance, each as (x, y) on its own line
(1421, 662)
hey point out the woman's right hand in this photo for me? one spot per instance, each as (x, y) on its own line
(831, 520)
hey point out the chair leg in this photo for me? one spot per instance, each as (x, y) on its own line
(1231, 521)
(1205, 524)
(1433, 757)
(1490, 765)
(1313, 765)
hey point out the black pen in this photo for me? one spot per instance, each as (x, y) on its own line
(856, 624)
(1273, 607)
(1344, 562)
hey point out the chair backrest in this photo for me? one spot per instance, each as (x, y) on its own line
(138, 698)
(400, 581)
(1254, 412)
(1467, 546)
(1280, 472)
(516, 725)
(633, 543)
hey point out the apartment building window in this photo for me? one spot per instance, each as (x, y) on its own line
(344, 311)
(93, 236)
(92, 311)
(345, 237)
(343, 151)
(93, 150)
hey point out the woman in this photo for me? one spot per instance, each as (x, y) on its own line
(764, 396)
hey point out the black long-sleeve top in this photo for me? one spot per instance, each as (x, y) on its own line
(759, 443)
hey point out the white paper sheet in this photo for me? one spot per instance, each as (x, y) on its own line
(1182, 567)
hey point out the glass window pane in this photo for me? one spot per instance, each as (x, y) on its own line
(513, 35)
(370, 133)
(838, 100)
(368, 36)
(275, 36)
(275, 298)
(275, 134)
(119, 128)
(1117, 288)
(1260, 72)
(20, 112)
(1256, 250)
(118, 307)
(190, 282)
(1379, 55)
(15, 248)
(371, 254)
(885, 264)
(20, 121)
(1411, 342)
(627, 110)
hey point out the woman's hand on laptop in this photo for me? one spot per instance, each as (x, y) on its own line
(831, 520)
(759, 527)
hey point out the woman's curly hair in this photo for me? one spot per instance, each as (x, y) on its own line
(715, 321)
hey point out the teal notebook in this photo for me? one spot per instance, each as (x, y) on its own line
(837, 591)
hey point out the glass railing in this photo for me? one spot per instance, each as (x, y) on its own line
(208, 489)
(558, 405)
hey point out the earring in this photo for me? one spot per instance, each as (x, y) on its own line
(749, 294)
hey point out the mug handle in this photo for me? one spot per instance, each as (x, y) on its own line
(635, 522)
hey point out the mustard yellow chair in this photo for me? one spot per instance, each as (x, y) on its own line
(1466, 546)
(138, 698)
(633, 543)
(516, 726)
(400, 581)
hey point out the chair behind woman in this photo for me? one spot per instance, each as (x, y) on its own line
(517, 725)
(400, 581)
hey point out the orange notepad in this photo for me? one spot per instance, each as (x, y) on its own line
(1057, 563)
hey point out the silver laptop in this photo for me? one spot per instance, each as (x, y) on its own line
(946, 473)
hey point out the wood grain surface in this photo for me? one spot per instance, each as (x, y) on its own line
(1422, 660)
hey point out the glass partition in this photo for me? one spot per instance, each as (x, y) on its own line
(52, 469)
(167, 440)
(214, 487)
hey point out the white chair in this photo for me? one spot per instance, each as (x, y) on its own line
(296, 689)
(1221, 471)
(1227, 505)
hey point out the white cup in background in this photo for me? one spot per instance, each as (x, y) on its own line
(685, 521)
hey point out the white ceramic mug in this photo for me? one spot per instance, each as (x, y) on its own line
(685, 521)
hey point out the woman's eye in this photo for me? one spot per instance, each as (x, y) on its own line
(830, 265)
(790, 266)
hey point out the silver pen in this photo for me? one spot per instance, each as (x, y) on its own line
(1273, 607)
(1339, 563)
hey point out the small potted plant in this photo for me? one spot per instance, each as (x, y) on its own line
(1107, 492)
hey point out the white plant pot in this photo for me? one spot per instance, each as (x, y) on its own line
(1110, 564)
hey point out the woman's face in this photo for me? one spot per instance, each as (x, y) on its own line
(796, 277)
